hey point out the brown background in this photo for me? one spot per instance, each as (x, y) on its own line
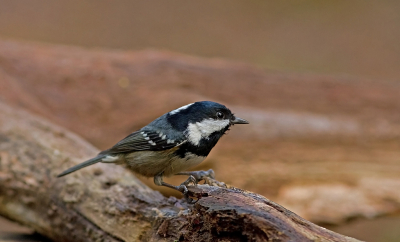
(324, 103)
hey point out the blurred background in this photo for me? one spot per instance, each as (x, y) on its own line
(319, 82)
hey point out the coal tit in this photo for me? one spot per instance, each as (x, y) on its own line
(171, 144)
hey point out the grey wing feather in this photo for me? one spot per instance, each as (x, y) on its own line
(140, 141)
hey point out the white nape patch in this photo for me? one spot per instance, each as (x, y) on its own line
(197, 131)
(151, 142)
(109, 158)
(180, 109)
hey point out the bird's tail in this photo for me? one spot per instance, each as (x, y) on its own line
(82, 165)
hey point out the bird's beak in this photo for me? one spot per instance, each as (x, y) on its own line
(237, 120)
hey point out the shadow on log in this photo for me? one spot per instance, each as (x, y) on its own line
(106, 202)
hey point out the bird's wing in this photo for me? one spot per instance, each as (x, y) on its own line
(143, 140)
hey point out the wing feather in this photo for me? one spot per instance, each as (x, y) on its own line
(141, 141)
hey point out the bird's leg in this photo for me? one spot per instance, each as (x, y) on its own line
(207, 176)
(158, 180)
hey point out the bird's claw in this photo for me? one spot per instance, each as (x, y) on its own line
(191, 180)
(213, 182)
(199, 175)
(183, 188)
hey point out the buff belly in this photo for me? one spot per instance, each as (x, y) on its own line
(150, 163)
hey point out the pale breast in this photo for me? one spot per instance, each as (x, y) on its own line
(182, 164)
(151, 163)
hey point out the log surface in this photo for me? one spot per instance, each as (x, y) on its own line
(107, 202)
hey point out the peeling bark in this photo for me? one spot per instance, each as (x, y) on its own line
(107, 203)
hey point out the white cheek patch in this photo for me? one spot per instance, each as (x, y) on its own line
(203, 129)
(180, 109)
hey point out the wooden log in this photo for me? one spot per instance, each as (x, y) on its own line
(108, 203)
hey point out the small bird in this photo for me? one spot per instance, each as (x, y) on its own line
(171, 144)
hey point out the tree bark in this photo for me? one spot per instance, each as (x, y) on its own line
(108, 203)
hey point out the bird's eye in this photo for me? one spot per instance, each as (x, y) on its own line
(220, 115)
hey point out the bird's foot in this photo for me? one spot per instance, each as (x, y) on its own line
(207, 176)
(213, 182)
(191, 181)
(183, 188)
(199, 175)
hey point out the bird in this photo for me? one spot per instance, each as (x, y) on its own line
(171, 144)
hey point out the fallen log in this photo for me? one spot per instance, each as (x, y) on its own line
(107, 203)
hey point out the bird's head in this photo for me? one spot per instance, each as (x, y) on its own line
(201, 120)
